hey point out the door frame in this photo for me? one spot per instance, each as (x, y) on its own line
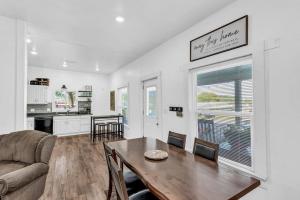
(156, 75)
(124, 85)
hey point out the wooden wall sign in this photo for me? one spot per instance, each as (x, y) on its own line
(228, 37)
(112, 100)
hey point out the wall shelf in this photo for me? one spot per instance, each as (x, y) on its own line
(83, 93)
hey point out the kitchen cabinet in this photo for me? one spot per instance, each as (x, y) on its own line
(64, 125)
(30, 123)
(85, 124)
(37, 94)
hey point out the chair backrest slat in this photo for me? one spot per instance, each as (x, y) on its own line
(206, 149)
(118, 179)
(177, 139)
(109, 152)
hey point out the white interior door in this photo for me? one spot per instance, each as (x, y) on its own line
(151, 108)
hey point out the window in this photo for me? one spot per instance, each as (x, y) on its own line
(224, 104)
(123, 103)
(151, 102)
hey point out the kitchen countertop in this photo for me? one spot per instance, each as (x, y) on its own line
(55, 114)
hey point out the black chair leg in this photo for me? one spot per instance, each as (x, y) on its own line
(94, 133)
(101, 133)
(98, 132)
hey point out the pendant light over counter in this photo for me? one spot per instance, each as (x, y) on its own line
(64, 87)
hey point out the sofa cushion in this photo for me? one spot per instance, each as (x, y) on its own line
(10, 166)
(143, 195)
(14, 180)
(20, 146)
(133, 183)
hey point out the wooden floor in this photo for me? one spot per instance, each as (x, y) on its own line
(78, 170)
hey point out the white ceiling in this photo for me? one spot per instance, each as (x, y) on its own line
(85, 31)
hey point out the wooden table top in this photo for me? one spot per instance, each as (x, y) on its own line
(183, 176)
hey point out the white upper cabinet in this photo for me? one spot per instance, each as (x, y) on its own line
(37, 94)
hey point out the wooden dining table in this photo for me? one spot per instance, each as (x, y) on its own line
(183, 175)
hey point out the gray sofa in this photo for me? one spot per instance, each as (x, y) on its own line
(24, 157)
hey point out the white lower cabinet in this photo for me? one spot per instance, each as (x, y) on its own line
(85, 124)
(64, 125)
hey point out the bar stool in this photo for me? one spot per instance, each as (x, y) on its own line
(94, 132)
(100, 130)
(109, 128)
(108, 132)
(114, 128)
(120, 132)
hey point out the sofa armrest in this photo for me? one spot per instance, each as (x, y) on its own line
(44, 149)
(14, 180)
(3, 188)
(3, 154)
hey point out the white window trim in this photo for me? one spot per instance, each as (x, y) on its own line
(118, 103)
(259, 119)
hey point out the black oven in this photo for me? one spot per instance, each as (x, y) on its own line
(44, 123)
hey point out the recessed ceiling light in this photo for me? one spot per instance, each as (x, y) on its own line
(120, 19)
(28, 40)
(33, 51)
(97, 68)
(65, 64)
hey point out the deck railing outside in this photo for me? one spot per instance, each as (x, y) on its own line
(234, 140)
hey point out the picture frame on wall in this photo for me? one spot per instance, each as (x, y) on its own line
(112, 100)
(228, 37)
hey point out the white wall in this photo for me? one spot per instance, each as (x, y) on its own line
(12, 76)
(268, 20)
(76, 81)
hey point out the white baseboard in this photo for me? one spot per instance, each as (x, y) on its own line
(70, 134)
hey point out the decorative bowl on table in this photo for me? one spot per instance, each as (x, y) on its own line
(156, 155)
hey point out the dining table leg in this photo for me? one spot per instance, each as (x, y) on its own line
(110, 186)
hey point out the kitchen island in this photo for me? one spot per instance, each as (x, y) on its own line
(63, 123)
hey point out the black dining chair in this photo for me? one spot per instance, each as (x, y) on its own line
(177, 139)
(120, 185)
(206, 149)
(132, 182)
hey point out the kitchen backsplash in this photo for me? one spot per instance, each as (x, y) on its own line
(39, 108)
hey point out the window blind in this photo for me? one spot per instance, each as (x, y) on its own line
(224, 107)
